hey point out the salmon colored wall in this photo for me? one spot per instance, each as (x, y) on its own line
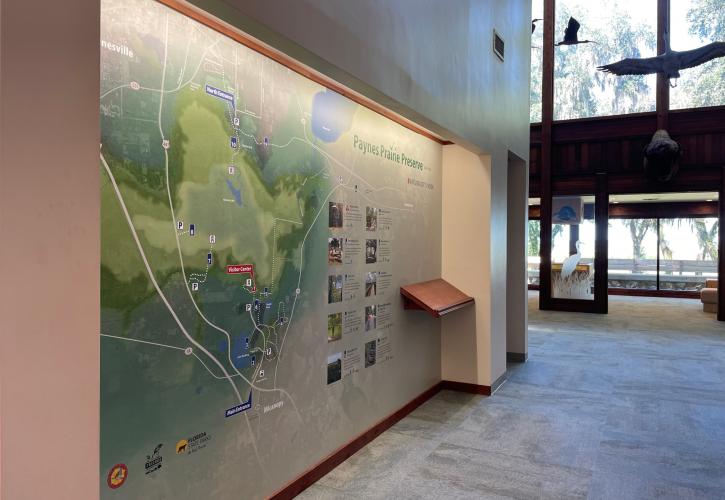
(467, 336)
(49, 249)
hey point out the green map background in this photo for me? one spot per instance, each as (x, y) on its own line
(152, 392)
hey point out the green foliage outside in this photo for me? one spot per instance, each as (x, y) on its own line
(581, 91)
(703, 85)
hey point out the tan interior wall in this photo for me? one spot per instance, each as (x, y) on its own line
(466, 253)
(49, 222)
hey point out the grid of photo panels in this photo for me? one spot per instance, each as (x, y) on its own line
(352, 287)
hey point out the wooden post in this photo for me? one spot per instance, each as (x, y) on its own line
(663, 83)
(547, 116)
(721, 251)
(601, 251)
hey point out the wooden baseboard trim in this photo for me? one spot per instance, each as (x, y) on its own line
(319, 470)
(450, 385)
(517, 357)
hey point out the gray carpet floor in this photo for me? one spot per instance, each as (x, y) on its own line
(627, 405)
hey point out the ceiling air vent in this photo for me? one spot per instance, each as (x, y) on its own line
(498, 45)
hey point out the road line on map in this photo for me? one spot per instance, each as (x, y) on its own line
(143, 342)
(153, 278)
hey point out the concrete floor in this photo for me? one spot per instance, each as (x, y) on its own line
(628, 405)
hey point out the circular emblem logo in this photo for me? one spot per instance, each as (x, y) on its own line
(117, 476)
(181, 446)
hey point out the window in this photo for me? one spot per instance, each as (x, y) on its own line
(621, 29)
(687, 249)
(633, 253)
(688, 253)
(537, 42)
(694, 23)
(534, 255)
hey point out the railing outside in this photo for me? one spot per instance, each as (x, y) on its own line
(678, 275)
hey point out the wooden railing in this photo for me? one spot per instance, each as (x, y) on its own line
(667, 267)
(642, 273)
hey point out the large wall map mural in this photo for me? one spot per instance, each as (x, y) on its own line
(256, 227)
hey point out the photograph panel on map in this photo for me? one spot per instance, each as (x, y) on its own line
(371, 218)
(371, 284)
(336, 211)
(370, 353)
(334, 327)
(334, 250)
(371, 251)
(334, 288)
(334, 368)
(370, 317)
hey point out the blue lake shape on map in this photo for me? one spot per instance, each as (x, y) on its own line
(331, 115)
(239, 349)
(237, 193)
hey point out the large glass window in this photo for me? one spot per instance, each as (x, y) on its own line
(688, 252)
(534, 254)
(537, 42)
(687, 249)
(694, 23)
(633, 253)
(620, 29)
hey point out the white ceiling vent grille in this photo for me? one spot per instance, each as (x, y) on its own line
(498, 45)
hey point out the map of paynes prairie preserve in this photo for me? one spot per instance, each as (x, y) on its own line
(251, 226)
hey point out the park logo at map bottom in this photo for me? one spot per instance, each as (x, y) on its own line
(153, 461)
(192, 444)
(182, 446)
(117, 476)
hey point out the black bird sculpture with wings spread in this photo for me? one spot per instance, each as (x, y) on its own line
(670, 63)
(571, 34)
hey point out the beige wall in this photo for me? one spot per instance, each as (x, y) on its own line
(49, 256)
(469, 337)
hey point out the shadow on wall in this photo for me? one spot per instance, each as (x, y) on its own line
(458, 347)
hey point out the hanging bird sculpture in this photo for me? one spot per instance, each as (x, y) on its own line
(570, 34)
(662, 157)
(569, 264)
(670, 63)
(533, 25)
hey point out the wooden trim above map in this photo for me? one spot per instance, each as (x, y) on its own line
(296, 66)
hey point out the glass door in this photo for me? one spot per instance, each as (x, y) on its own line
(578, 254)
(573, 239)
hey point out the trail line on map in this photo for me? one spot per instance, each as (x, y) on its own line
(183, 269)
(153, 278)
(178, 245)
(183, 349)
(299, 278)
